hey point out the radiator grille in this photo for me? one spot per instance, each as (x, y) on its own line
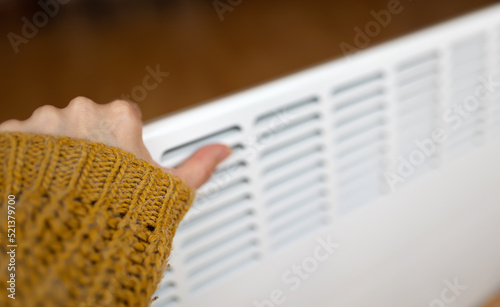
(358, 110)
(310, 149)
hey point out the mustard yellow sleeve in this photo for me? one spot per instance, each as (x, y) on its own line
(93, 224)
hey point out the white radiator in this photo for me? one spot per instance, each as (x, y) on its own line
(328, 200)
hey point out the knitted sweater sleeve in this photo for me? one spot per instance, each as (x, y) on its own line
(93, 223)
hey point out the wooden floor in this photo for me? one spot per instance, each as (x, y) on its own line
(102, 53)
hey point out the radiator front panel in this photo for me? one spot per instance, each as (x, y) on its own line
(348, 152)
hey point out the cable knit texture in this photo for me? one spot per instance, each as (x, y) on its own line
(94, 224)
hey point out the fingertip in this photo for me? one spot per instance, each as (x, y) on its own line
(224, 151)
(198, 168)
(10, 125)
(216, 152)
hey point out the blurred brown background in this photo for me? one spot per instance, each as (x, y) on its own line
(101, 48)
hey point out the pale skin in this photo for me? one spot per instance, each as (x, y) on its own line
(117, 124)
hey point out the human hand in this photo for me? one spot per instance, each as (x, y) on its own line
(117, 124)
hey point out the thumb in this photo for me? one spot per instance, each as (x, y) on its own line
(198, 168)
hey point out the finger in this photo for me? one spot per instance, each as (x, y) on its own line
(198, 168)
(45, 120)
(125, 107)
(136, 107)
(11, 125)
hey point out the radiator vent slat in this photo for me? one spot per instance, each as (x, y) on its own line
(316, 176)
(421, 67)
(232, 224)
(167, 302)
(310, 195)
(423, 83)
(376, 141)
(218, 254)
(351, 128)
(292, 173)
(286, 115)
(304, 143)
(226, 190)
(351, 189)
(295, 219)
(294, 168)
(420, 118)
(173, 157)
(363, 99)
(223, 182)
(426, 99)
(295, 214)
(222, 241)
(359, 169)
(312, 190)
(224, 270)
(368, 84)
(362, 138)
(305, 227)
(166, 289)
(374, 147)
(288, 138)
(214, 215)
